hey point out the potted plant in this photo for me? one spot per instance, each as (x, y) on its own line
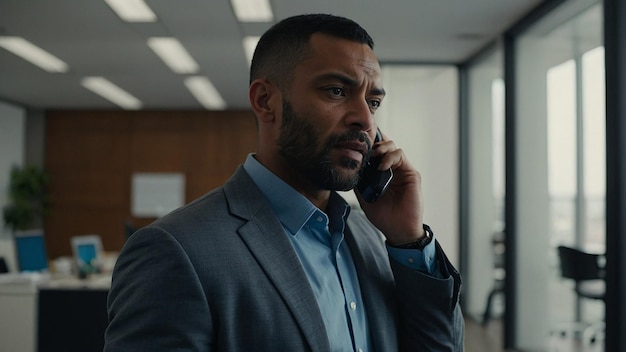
(28, 201)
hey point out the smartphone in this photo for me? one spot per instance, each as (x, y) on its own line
(373, 182)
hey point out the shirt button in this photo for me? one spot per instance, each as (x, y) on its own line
(352, 305)
(319, 219)
(411, 260)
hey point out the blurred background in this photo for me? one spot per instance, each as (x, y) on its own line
(113, 116)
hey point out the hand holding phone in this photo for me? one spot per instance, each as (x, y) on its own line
(374, 182)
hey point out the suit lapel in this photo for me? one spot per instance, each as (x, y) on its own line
(264, 236)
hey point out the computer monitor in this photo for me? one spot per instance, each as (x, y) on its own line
(87, 249)
(86, 253)
(31, 252)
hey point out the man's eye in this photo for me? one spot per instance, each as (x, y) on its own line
(374, 103)
(336, 91)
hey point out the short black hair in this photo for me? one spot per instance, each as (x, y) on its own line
(285, 44)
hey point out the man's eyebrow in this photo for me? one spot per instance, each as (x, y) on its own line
(348, 81)
(378, 91)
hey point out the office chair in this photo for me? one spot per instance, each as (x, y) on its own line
(3, 266)
(129, 228)
(587, 271)
(499, 274)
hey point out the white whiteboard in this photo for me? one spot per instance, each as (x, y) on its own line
(156, 194)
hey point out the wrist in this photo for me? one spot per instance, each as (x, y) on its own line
(419, 243)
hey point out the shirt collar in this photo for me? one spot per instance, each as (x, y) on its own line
(292, 208)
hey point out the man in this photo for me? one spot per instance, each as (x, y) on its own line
(274, 260)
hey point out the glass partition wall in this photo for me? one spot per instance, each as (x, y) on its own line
(560, 170)
(484, 275)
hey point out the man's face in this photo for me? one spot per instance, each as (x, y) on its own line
(311, 154)
(328, 110)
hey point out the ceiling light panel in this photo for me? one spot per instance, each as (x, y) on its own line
(253, 10)
(34, 54)
(204, 91)
(172, 52)
(249, 45)
(132, 10)
(111, 92)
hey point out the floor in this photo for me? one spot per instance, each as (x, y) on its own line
(480, 338)
(488, 338)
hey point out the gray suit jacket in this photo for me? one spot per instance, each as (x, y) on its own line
(220, 275)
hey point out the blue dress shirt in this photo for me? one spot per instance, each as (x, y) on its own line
(317, 237)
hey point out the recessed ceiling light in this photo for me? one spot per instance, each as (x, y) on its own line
(34, 54)
(172, 52)
(132, 10)
(204, 91)
(111, 92)
(252, 10)
(249, 45)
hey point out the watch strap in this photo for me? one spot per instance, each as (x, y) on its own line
(421, 243)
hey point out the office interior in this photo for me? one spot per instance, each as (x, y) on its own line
(519, 146)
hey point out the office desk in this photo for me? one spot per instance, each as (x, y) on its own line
(18, 303)
(53, 314)
(71, 319)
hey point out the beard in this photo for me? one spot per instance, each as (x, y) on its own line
(303, 148)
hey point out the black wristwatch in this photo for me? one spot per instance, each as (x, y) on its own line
(421, 243)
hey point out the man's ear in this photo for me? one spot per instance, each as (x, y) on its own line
(263, 95)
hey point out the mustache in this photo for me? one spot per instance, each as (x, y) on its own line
(351, 136)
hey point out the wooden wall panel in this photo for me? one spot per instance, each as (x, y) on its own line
(91, 156)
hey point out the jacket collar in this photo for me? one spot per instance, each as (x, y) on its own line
(265, 238)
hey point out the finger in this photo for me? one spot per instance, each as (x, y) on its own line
(391, 159)
(383, 147)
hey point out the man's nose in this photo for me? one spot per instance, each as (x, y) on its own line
(360, 115)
